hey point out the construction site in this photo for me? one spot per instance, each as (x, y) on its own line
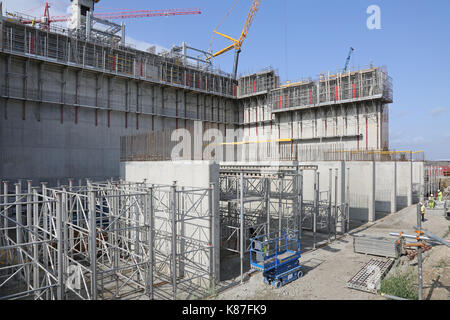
(145, 175)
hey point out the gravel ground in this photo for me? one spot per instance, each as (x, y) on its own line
(327, 270)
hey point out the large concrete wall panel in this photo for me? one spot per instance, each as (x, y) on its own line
(197, 174)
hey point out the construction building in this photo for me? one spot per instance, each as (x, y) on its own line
(78, 103)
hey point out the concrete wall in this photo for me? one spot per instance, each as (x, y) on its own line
(386, 187)
(197, 174)
(374, 187)
(61, 122)
(357, 126)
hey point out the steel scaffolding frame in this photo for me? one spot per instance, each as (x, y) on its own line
(258, 199)
(258, 83)
(371, 83)
(57, 44)
(109, 240)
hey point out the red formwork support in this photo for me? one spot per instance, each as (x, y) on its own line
(31, 44)
(310, 97)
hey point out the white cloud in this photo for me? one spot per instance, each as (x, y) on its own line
(437, 111)
(401, 113)
(418, 140)
(398, 139)
(143, 45)
(446, 135)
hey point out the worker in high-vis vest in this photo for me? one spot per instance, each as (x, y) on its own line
(422, 211)
(439, 195)
(431, 202)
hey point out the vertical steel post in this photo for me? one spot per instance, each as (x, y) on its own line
(241, 232)
(92, 240)
(212, 240)
(46, 227)
(335, 204)
(300, 203)
(34, 238)
(19, 238)
(295, 205)
(150, 221)
(267, 203)
(419, 254)
(60, 243)
(316, 206)
(5, 209)
(29, 225)
(330, 190)
(280, 205)
(173, 211)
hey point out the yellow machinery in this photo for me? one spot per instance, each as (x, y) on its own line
(237, 43)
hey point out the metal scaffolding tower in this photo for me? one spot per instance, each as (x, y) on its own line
(111, 240)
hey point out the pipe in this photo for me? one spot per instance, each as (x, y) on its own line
(388, 296)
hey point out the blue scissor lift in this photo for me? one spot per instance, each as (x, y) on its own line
(277, 256)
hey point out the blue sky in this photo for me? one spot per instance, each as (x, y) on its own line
(413, 43)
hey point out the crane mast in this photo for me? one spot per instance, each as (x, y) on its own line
(348, 59)
(237, 43)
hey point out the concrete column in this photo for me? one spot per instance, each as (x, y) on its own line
(371, 184)
(394, 188)
(422, 182)
(198, 140)
(342, 199)
(410, 180)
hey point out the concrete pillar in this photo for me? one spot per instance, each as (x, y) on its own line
(198, 140)
(394, 188)
(371, 185)
(122, 33)
(410, 180)
(422, 182)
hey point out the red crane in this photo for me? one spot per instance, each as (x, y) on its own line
(46, 19)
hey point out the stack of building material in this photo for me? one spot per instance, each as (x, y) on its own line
(377, 246)
(438, 210)
(369, 277)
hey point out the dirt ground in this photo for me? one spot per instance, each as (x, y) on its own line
(327, 270)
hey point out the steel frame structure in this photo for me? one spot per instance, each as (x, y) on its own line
(59, 45)
(258, 199)
(108, 240)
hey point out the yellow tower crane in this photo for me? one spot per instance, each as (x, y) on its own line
(237, 43)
